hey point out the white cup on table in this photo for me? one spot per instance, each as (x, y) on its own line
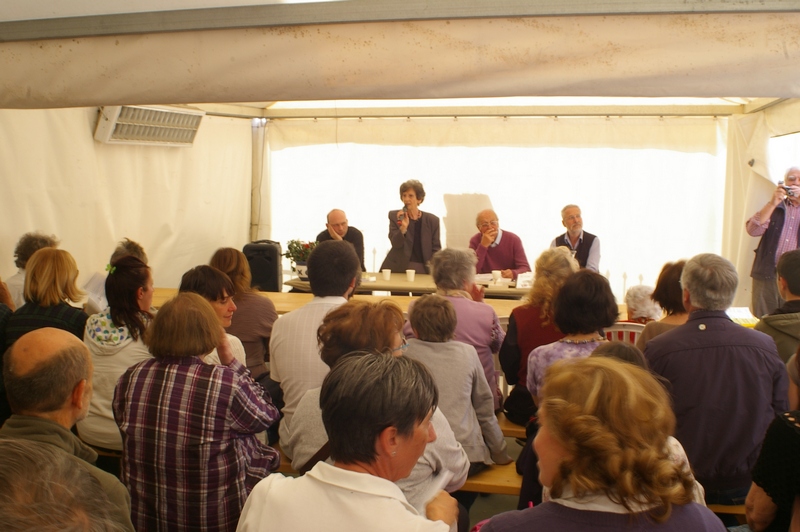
(496, 274)
(410, 275)
(387, 274)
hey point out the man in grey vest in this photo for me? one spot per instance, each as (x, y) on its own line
(585, 246)
(778, 225)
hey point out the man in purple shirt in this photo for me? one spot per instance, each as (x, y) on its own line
(497, 249)
(778, 225)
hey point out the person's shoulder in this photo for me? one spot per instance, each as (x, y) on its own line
(323, 236)
(523, 520)
(355, 231)
(473, 241)
(693, 516)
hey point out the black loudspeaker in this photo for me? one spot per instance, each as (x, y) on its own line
(264, 257)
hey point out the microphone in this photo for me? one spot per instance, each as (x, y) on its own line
(401, 215)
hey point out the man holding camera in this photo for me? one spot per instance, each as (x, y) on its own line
(778, 225)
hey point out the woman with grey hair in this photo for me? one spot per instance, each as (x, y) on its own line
(641, 306)
(414, 234)
(377, 412)
(453, 272)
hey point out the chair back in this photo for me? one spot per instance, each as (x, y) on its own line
(624, 331)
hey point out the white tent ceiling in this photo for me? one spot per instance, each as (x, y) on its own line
(466, 49)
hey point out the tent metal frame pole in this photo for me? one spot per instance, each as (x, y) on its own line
(360, 11)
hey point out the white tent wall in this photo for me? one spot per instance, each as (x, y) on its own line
(180, 203)
(650, 188)
(712, 55)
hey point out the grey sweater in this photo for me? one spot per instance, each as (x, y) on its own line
(464, 397)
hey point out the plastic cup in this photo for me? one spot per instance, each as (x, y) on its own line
(410, 274)
(387, 275)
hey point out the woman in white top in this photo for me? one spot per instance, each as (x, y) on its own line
(217, 288)
(114, 338)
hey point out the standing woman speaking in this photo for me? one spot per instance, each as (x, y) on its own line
(414, 234)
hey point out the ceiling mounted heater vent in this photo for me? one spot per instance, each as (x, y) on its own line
(161, 126)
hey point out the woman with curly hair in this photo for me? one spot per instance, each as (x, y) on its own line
(602, 448)
(531, 325)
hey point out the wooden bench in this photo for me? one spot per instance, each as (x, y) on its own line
(286, 464)
(502, 479)
(511, 430)
(737, 510)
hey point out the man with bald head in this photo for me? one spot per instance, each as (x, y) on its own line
(48, 379)
(337, 229)
(497, 249)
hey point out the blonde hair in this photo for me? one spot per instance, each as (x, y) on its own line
(234, 264)
(50, 276)
(185, 326)
(613, 419)
(552, 268)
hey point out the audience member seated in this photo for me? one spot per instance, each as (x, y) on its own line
(590, 292)
(190, 451)
(583, 306)
(531, 325)
(497, 249)
(776, 477)
(255, 314)
(453, 272)
(61, 496)
(714, 367)
(49, 284)
(377, 412)
(603, 453)
(414, 234)
(669, 296)
(252, 323)
(28, 244)
(6, 309)
(641, 307)
(773, 502)
(333, 273)
(783, 324)
(115, 340)
(217, 289)
(793, 368)
(48, 376)
(376, 327)
(465, 398)
(626, 352)
(95, 287)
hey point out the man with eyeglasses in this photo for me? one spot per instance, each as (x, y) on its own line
(497, 249)
(585, 246)
(778, 225)
(337, 229)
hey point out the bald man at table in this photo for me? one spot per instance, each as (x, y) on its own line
(337, 228)
(497, 249)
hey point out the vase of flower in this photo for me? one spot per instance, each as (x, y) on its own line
(302, 270)
(298, 252)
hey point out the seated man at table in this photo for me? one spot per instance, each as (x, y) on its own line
(334, 274)
(497, 249)
(585, 247)
(337, 229)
